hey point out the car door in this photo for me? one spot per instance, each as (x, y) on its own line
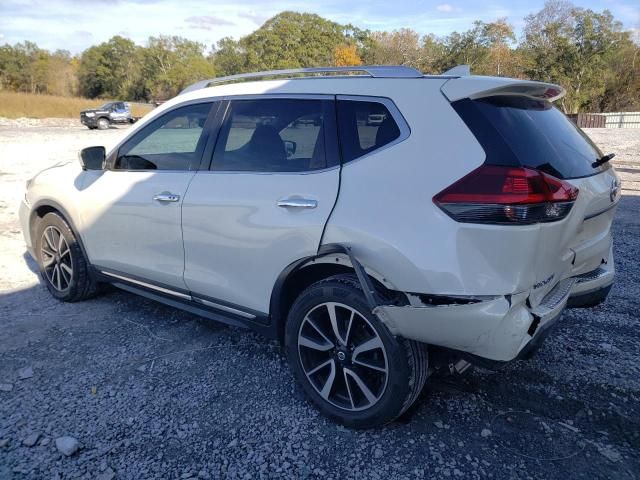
(132, 209)
(263, 204)
(119, 112)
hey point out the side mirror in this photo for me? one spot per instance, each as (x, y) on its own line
(92, 158)
(290, 147)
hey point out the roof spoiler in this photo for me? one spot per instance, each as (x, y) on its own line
(479, 87)
(458, 71)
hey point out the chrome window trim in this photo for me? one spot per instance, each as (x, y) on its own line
(405, 130)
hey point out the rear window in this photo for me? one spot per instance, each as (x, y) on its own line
(531, 133)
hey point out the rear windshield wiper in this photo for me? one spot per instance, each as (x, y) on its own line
(603, 160)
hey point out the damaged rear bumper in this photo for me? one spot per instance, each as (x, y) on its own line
(502, 328)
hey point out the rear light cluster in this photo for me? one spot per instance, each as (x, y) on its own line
(507, 195)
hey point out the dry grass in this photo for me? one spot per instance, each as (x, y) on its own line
(16, 105)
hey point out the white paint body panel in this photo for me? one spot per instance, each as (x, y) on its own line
(237, 240)
(126, 230)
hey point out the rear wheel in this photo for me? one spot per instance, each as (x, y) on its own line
(103, 123)
(63, 267)
(345, 358)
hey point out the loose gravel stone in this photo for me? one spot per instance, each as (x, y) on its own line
(31, 440)
(6, 387)
(108, 474)
(485, 433)
(25, 373)
(67, 445)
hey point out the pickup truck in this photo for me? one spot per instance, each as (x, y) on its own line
(106, 115)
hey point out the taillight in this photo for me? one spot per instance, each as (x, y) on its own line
(507, 195)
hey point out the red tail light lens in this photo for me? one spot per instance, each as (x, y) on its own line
(507, 195)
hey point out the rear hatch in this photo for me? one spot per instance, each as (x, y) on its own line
(518, 126)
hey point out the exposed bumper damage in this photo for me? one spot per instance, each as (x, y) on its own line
(501, 328)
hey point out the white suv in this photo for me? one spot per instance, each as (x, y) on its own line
(360, 219)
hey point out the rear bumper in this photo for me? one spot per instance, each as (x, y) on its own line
(503, 328)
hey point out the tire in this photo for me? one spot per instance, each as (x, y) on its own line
(103, 123)
(62, 264)
(362, 352)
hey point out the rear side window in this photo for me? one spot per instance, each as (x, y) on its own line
(364, 126)
(519, 131)
(277, 135)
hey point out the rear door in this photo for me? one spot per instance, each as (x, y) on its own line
(522, 131)
(263, 204)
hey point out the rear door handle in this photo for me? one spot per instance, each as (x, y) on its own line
(297, 203)
(166, 197)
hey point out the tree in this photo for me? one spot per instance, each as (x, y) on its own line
(62, 74)
(109, 69)
(228, 57)
(292, 40)
(172, 63)
(400, 47)
(573, 47)
(346, 55)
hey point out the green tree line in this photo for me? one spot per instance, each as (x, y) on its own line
(587, 52)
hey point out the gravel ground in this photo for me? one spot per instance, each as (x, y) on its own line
(145, 391)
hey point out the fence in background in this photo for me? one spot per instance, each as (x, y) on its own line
(622, 119)
(588, 120)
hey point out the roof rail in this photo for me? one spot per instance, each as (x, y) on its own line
(376, 71)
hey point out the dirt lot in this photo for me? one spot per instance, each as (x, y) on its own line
(151, 392)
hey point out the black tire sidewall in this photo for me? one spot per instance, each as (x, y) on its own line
(77, 258)
(397, 391)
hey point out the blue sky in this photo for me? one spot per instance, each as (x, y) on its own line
(76, 24)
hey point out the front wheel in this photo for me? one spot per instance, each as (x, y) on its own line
(346, 360)
(63, 267)
(103, 123)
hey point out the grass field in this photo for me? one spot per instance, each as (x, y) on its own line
(16, 105)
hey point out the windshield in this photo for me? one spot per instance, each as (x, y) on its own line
(106, 106)
(531, 133)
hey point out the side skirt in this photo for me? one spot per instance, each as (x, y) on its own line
(206, 307)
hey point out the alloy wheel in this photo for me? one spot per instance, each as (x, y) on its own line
(56, 258)
(342, 356)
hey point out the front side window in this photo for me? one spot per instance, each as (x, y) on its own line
(276, 135)
(173, 141)
(364, 126)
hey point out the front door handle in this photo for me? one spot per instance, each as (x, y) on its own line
(297, 203)
(166, 197)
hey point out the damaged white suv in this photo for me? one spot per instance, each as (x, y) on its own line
(374, 223)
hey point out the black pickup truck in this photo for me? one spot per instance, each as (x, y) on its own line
(106, 115)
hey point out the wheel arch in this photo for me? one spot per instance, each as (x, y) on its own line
(42, 208)
(331, 260)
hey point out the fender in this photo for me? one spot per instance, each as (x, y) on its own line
(371, 295)
(67, 218)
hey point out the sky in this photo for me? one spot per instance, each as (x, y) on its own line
(77, 24)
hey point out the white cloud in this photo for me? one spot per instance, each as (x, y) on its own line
(447, 8)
